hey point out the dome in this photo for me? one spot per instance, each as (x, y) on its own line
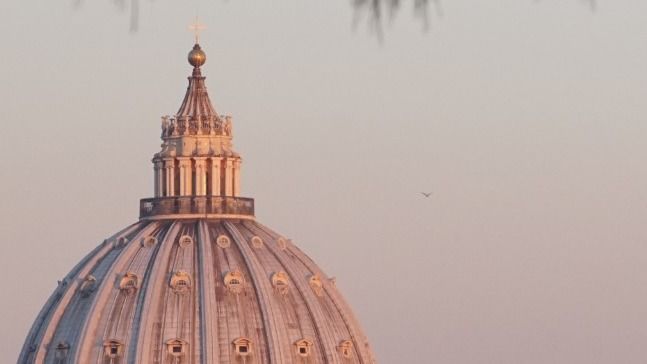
(197, 279)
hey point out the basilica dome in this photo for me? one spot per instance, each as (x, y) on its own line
(197, 279)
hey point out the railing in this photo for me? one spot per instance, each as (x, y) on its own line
(196, 205)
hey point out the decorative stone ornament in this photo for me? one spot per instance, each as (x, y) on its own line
(283, 244)
(185, 241)
(129, 283)
(316, 285)
(121, 242)
(257, 242)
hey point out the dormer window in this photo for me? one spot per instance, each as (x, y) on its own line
(176, 347)
(113, 348)
(346, 349)
(149, 241)
(62, 350)
(280, 282)
(243, 346)
(234, 281)
(181, 282)
(121, 242)
(88, 286)
(304, 348)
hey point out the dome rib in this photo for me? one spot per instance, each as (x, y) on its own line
(210, 352)
(160, 233)
(155, 284)
(239, 314)
(298, 277)
(196, 103)
(263, 291)
(360, 341)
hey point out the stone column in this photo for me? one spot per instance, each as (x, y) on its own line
(169, 167)
(185, 176)
(215, 176)
(237, 177)
(200, 176)
(159, 177)
(229, 179)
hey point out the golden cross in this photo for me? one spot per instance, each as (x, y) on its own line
(197, 27)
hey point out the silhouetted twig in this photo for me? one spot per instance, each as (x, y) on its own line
(375, 11)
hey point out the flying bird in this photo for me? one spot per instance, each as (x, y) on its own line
(426, 194)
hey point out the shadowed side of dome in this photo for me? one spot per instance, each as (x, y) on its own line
(197, 291)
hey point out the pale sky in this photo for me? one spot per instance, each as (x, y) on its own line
(526, 119)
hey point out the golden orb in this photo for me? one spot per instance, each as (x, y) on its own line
(197, 57)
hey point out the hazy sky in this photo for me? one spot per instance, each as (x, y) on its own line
(526, 119)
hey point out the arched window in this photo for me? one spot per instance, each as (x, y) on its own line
(223, 241)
